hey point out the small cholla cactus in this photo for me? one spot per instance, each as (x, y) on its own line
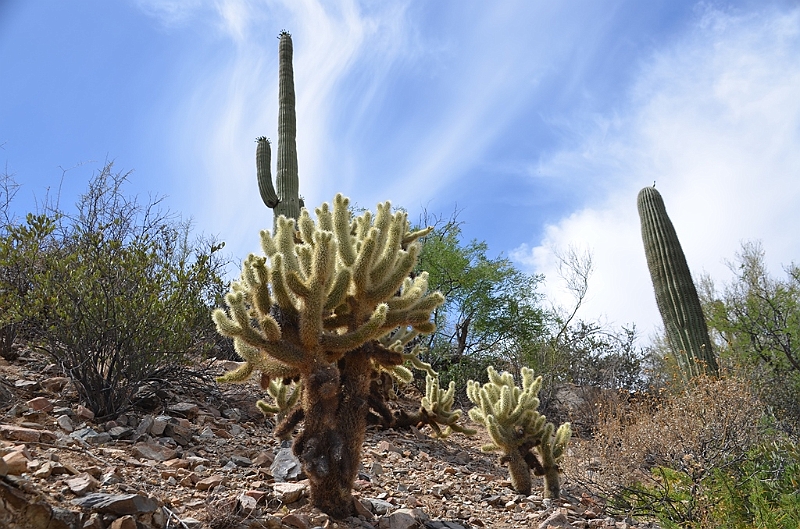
(516, 428)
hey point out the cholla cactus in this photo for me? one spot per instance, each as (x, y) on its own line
(437, 408)
(284, 393)
(314, 308)
(516, 428)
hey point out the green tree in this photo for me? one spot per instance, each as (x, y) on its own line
(492, 314)
(757, 318)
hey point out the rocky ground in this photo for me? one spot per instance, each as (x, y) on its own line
(208, 459)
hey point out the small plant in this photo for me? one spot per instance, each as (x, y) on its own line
(510, 415)
(119, 296)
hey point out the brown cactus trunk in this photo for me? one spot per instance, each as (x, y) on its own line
(335, 425)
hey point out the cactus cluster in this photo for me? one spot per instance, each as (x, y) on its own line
(517, 429)
(314, 307)
(676, 295)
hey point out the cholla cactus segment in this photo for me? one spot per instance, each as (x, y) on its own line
(515, 427)
(438, 406)
(285, 395)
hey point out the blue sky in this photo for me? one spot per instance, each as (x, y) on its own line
(538, 120)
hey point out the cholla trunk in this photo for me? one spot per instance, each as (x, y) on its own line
(330, 445)
(520, 472)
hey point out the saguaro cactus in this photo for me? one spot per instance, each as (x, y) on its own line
(337, 285)
(676, 294)
(286, 201)
(516, 428)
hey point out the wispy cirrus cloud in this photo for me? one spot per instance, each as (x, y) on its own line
(714, 120)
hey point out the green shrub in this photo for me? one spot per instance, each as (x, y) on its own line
(119, 295)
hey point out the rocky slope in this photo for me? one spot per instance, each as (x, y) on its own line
(208, 459)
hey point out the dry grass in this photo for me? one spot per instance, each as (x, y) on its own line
(709, 426)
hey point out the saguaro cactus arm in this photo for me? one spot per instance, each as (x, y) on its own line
(676, 295)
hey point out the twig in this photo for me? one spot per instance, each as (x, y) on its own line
(171, 514)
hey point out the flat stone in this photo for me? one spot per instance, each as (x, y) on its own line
(247, 503)
(44, 471)
(403, 519)
(264, 459)
(257, 495)
(95, 521)
(25, 384)
(289, 492)
(82, 484)
(125, 522)
(40, 404)
(144, 425)
(65, 423)
(24, 435)
(3, 467)
(241, 461)
(119, 504)
(299, 521)
(84, 413)
(16, 463)
(379, 507)
(121, 432)
(182, 434)
(286, 466)
(210, 482)
(176, 463)
(55, 384)
(159, 425)
(153, 451)
(557, 519)
(185, 409)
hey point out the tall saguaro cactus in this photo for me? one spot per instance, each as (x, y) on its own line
(676, 294)
(286, 201)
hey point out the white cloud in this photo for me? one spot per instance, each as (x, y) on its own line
(714, 119)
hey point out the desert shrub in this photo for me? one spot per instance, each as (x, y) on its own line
(121, 295)
(659, 456)
(762, 491)
(756, 321)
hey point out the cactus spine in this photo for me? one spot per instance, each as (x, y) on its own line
(516, 428)
(286, 201)
(676, 294)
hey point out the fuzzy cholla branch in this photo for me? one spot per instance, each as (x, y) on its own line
(516, 428)
(337, 283)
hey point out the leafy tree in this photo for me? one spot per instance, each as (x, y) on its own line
(492, 314)
(757, 319)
